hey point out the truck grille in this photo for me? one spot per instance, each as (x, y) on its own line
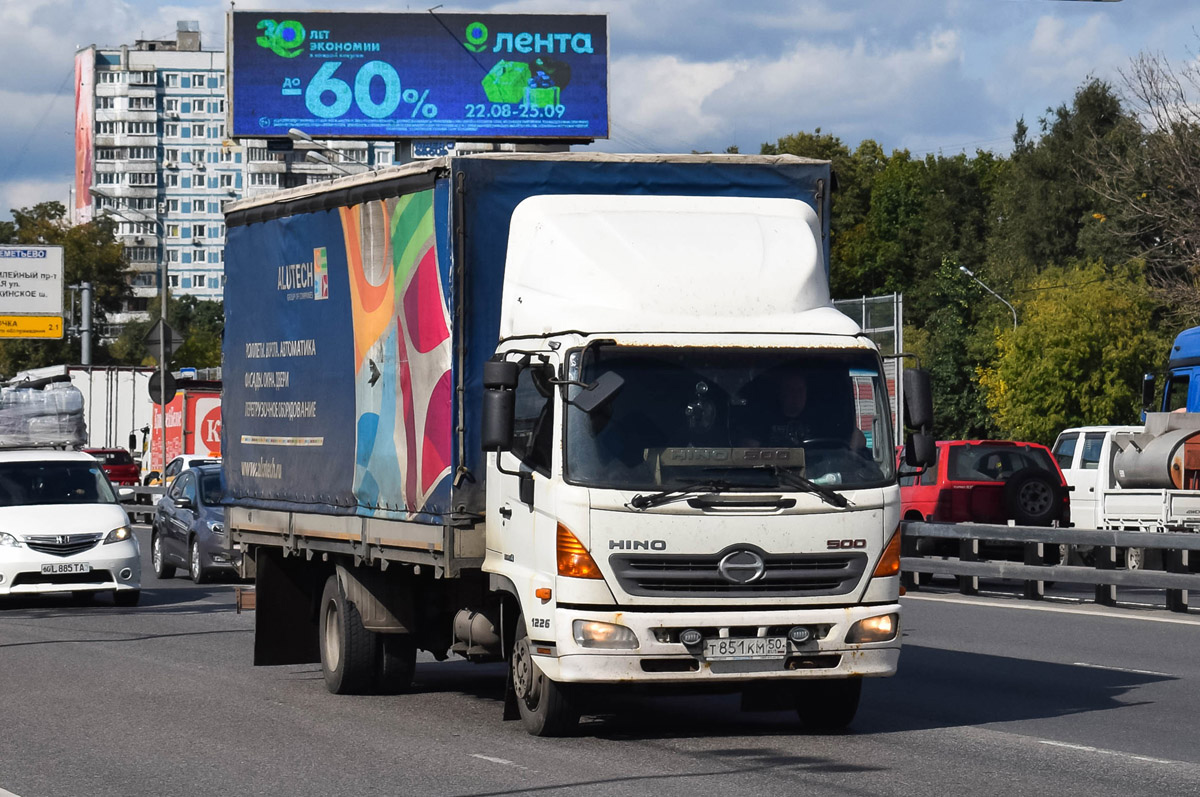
(62, 544)
(699, 576)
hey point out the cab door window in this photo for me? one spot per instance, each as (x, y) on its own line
(1092, 443)
(533, 422)
(1177, 393)
(1064, 450)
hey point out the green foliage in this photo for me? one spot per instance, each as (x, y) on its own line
(1087, 334)
(200, 323)
(1045, 205)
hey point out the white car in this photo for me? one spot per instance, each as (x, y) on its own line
(62, 529)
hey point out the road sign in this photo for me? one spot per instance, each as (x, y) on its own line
(174, 339)
(31, 326)
(155, 381)
(31, 291)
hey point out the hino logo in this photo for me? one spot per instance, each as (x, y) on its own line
(637, 545)
(741, 567)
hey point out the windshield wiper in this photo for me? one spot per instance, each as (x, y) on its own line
(793, 479)
(640, 501)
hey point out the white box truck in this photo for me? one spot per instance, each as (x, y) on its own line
(594, 415)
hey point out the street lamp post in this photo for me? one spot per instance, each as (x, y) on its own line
(162, 337)
(971, 274)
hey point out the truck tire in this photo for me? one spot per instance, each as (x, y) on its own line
(349, 653)
(1033, 497)
(826, 705)
(397, 663)
(545, 709)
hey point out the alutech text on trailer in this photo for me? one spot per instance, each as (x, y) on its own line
(594, 415)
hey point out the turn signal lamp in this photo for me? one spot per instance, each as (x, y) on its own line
(573, 559)
(889, 563)
(874, 629)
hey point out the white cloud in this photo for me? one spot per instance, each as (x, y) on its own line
(17, 194)
(1064, 52)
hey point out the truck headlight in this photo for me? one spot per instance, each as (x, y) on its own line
(594, 634)
(119, 534)
(8, 541)
(874, 629)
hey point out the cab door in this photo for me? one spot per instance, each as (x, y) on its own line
(521, 544)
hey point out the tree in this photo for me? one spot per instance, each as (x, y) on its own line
(1151, 175)
(91, 254)
(201, 323)
(1087, 334)
(1045, 206)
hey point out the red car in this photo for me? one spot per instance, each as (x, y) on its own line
(118, 465)
(988, 481)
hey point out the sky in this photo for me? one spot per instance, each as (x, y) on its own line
(924, 75)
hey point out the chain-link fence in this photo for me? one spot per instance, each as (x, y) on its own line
(882, 320)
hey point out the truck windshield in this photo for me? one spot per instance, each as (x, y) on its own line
(737, 417)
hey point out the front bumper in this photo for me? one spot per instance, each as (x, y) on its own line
(660, 659)
(116, 566)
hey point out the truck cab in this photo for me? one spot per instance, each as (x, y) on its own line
(669, 509)
(1085, 455)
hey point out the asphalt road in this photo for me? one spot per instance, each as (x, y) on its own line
(994, 696)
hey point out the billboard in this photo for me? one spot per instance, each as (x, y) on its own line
(418, 75)
(31, 291)
(85, 98)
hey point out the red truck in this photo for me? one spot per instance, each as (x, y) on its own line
(193, 427)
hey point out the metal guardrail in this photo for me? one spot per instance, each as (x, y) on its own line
(1036, 571)
(141, 508)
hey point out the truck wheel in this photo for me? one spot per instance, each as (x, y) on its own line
(161, 568)
(348, 651)
(1135, 558)
(545, 709)
(828, 706)
(397, 663)
(1033, 497)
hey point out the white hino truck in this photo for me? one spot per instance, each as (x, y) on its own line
(592, 415)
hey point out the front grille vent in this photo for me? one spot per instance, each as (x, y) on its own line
(62, 544)
(699, 576)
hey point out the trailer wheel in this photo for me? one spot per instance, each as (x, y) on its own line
(348, 651)
(1033, 497)
(397, 663)
(827, 706)
(1135, 558)
(545, 708)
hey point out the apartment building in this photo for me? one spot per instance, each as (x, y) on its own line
(152, 152)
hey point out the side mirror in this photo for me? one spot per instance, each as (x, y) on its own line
(124, 494)
(183, 502)
(499, 404)
(594, 396)
(918, 399)
(920, 450)
(1147, 391)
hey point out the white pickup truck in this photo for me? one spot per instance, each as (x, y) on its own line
(1134, 478)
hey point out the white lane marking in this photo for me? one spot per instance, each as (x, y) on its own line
(1120, 669)
(493, 759)
(1083, 748)
(4, 793)
(1112, 615)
